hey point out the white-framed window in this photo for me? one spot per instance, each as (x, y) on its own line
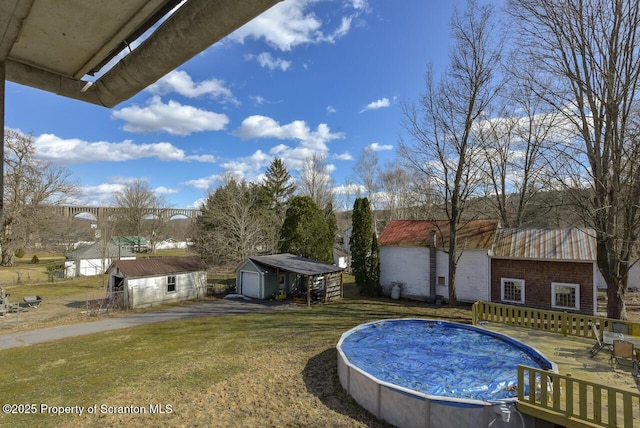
(565, 296)
(512, 290)
(171, 284)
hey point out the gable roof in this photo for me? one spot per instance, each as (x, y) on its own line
(100, 250)
(296, 264)
(158, 266)
(130, 240)
(478, 234)
(562, 244)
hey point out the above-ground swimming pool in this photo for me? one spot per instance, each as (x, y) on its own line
(434, 364)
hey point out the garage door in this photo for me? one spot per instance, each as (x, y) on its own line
(250, 284)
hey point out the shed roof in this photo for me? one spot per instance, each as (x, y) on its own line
(563, 244)
(297, 264)
(159, 266)
(99, 250)
(130, 240)
(477, 234)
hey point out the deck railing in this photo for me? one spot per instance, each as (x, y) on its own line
(569, 401)
(565, 323)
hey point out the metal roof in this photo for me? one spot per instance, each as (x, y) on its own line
(100, 250)
(297, 264)
(562, 244)
(158, 266)
(53, 44)
(477, 234)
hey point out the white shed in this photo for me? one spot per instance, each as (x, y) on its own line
(412, 253)
(95, 258)
(146, 282)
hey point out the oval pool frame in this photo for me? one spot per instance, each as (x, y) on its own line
(405, 407)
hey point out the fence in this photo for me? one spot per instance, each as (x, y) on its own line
(569, 401)
(565, 323)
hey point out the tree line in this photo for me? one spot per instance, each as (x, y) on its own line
(535, 116)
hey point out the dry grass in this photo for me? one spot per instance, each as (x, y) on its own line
(275, 369)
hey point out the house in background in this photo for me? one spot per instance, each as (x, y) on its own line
(94, 259)
(153, 281)
(545, 268)
(412, 253)
(171, 244)
(261, 277)
(136, 244)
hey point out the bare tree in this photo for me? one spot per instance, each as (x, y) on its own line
(233, 223)
(590, 50)
(141, 212)
(516, 154)
(28, 184)
(399, 197)
(315, 181)
(446, 142)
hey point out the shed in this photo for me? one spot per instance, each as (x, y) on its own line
(545, 268)
(94, 259)
(413, 254)
(262, 277)
(146, 282)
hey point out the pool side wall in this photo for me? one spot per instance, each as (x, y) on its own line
(405, 408)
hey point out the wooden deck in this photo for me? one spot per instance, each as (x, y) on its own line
(588, 377)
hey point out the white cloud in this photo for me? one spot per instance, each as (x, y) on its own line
(258, 99)
(102, 194)
(266, 60)
(258, 126)
(180, 82)
(173, 118)
(349, 189)
(377, 147)
(164, 191)
(309, 142)
(291, 23)
(344, 156)
(204, 183)
(374, 105)
(75, 151)
(331, 109)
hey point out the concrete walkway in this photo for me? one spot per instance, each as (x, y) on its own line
(202, 309)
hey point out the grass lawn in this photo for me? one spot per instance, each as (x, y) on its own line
(275, 369)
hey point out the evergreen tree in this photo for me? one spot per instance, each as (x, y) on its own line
(305, 231)
(278, 186)
(373, 262)
(360, 242)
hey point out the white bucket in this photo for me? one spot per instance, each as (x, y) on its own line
(395, 292)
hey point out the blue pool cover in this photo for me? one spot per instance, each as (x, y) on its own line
(440, 358)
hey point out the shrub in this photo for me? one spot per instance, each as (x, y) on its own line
(35, 259)
(19, 253)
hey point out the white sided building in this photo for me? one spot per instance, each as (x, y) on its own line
(154, 281)
(95, 258)
(413, 256)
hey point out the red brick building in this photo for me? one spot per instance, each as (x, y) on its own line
(545, 268)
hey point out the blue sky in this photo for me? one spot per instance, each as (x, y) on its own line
(308, 76)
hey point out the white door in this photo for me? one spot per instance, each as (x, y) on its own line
(250, 284)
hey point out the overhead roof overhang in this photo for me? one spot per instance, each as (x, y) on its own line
(53, 45)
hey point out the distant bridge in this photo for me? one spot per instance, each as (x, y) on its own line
(100, 213)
